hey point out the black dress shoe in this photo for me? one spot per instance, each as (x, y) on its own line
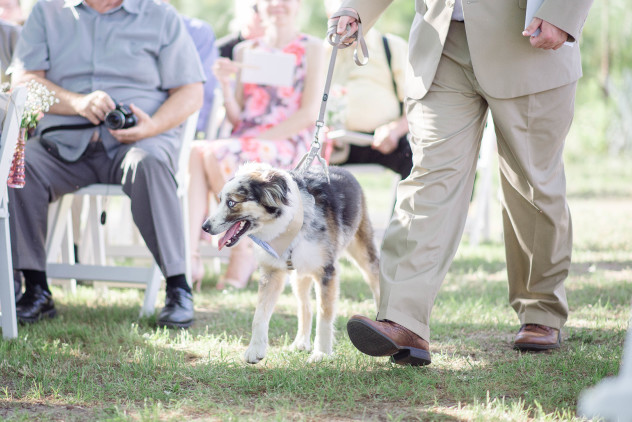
(35, 304)
(178, 310)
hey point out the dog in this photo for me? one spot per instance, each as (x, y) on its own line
(304, 223)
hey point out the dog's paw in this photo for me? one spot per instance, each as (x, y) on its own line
(317, 356)
(255, 353)
(301, 345)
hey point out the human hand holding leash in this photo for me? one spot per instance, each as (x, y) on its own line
(347, 26)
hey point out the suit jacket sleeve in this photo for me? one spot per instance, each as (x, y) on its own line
(368, 10)
(568, 15)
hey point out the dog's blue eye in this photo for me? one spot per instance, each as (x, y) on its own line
(230, 203)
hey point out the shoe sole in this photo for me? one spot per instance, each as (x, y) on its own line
(171, 324)
(534, 347)
(51, 313)
(373, 343)
(412, 357)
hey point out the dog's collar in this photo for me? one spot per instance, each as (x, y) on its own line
(279, 245)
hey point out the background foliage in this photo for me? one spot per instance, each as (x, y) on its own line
(603, 95)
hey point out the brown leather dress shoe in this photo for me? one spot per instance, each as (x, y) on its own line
(387, 338)
(537, 337)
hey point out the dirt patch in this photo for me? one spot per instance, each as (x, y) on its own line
(35, 411)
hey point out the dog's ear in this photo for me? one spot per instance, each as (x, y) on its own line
(270, 189)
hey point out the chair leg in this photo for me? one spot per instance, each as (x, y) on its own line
(151, 292)
(59, 242)
(68, 255)
(7, 295)
(57, 221)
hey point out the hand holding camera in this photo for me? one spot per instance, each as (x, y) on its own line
(126, 123)
(122, 117)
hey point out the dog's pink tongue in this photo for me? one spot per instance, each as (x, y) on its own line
(229, 233)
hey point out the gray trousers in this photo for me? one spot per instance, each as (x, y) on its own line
(446, 128)
(147, 177)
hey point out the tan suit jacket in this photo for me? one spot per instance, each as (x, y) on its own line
(504, 62)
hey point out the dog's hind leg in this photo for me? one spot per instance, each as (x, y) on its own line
(302, 287)
(363, 252)
(270, 287)
(327, 291)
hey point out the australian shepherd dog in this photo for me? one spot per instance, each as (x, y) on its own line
(303, 223)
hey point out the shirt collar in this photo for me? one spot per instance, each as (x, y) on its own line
(132, 6)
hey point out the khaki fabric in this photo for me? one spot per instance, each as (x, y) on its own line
(424, 234)
(504, 62)
(457, 72)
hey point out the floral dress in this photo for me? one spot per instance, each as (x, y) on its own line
(264, 107)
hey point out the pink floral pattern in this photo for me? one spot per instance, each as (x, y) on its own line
(264, 107)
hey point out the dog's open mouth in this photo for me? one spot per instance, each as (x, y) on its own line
(233, 234)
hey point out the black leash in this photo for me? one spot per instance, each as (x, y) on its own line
(68, 127)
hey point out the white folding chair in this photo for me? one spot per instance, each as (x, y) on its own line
(10, 129)
(218, 127)
(60, 252)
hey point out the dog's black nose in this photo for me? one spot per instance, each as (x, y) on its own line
(206, 226)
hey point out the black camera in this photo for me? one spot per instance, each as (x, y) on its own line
(121, 117)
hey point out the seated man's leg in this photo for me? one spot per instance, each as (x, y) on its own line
(47, 179)
(148, 179)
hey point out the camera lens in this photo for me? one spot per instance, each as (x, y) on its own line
(114, 119)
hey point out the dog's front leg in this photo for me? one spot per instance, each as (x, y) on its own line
(302, 287)
(270, 288)
(326, 300)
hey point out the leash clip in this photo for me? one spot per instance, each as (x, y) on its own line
(314, 152)
(337, 42)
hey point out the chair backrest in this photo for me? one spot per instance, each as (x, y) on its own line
(218, 126)
(10, 130)
(188, 135)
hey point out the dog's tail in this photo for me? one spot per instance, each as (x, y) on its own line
(364, 252)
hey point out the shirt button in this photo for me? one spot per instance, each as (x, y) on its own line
(449, 3)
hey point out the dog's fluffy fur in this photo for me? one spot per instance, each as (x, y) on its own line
(262, 201)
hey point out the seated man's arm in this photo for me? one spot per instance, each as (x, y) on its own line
(93, 106)
(181, 103)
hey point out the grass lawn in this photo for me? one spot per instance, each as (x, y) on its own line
(98, 361)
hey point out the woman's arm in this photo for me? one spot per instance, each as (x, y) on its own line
(228, 73)
(307, 113)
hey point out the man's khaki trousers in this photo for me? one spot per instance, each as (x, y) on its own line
(432, 203)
